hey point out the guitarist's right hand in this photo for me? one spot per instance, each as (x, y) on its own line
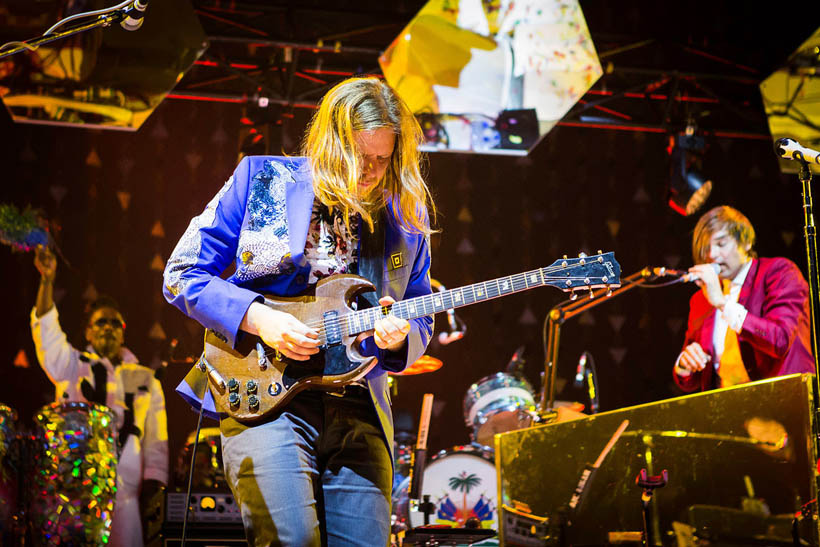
(281, 331)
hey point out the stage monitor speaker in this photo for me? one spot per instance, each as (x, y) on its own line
(741, 456)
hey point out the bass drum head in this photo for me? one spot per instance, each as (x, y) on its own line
(461, 483)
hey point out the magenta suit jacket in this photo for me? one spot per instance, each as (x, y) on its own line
(776, 336)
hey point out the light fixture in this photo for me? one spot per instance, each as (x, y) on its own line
(688, 187)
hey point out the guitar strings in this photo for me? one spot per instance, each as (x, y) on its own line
(342, 322)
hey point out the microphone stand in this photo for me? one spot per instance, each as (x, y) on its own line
(567, 310)
(810, 233)
(103, 20)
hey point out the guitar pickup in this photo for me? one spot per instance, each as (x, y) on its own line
(332, 327)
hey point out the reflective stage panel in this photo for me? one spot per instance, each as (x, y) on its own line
(739, 463)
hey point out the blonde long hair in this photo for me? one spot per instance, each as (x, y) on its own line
(362, 104)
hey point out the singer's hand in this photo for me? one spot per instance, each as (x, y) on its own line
(707, 279)
(692, 359)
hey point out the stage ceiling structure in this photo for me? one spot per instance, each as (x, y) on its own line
(665, 67)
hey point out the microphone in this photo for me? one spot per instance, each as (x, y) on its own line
(135, 15)
(792, 150)
(683, 275)
(581, 370)
(516, 362)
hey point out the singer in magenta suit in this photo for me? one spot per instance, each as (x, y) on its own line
(766, 303)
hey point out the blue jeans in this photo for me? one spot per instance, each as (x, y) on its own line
(317, 473)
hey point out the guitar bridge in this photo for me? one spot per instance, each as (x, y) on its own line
(332, 327)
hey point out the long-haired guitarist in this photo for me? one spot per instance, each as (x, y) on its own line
(319, 470)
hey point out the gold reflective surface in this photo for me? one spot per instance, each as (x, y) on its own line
(739, 462)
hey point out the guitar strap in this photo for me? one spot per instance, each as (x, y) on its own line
(371, 256)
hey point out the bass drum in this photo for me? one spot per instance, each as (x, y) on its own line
(74, 478)
(461, 482)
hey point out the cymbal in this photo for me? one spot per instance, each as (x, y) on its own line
(422, 365)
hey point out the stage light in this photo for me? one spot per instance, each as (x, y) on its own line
(689, 188)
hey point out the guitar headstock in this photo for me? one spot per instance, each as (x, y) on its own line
(584, 272)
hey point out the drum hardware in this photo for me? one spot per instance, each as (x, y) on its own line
(649, 484)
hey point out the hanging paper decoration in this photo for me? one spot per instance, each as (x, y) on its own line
(22, 230)
(527, 318)
(617, 354)
(193, 160)
(21, 360)
(614, 227)
(58, 192)
(157, 264)
(586, 319)
(156, 332)
(465, 216)
(616, 322)
(157, 230)
(159, 131)
(787, 237)
(125, 165)
(124, 199)
(641, 196)
(90, 293)
(675, 324)
(219, 136)
(465, 247)
(93, 159)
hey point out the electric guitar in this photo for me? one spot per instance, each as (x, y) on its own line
(253, 380)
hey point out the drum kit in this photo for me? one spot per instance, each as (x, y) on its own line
(58, 481)
(461, 481)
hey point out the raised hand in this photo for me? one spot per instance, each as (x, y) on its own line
(45, 262)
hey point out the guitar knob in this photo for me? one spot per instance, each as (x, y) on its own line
(262, 357)
(233, 385)
(234, 399)
(253, 402)
(274, 389)
(251, 386)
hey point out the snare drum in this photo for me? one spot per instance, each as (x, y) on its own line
(462, 484)
(496, 404)
(74, 475)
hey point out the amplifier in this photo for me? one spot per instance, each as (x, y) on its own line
(203, 506)
(740, 457)
(201, 535)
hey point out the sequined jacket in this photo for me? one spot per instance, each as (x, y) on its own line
(259, 220)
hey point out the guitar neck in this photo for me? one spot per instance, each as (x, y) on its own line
(430, 304)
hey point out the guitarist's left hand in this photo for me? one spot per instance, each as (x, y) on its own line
(390, 332)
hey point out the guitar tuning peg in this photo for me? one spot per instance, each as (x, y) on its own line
(565, 257)
(573, 295)
(599, 252)
(609, 291)
(592, 294)
(582, 254)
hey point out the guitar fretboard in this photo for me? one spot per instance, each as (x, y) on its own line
(430, 304)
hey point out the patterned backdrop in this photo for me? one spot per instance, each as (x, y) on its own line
(119, 202)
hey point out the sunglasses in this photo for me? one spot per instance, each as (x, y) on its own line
(113, 322)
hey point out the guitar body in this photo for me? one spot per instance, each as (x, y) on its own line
(261, 383)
